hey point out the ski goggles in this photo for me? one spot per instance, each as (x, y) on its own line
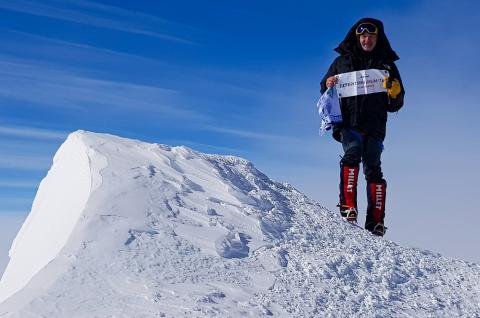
(366, 27)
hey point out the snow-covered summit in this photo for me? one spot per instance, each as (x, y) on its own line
(122, 228)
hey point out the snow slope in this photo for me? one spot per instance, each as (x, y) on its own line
(122, 228)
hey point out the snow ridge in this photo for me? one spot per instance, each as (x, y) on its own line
(45, 231)
(170, 232)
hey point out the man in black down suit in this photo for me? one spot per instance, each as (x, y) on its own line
(364, 119)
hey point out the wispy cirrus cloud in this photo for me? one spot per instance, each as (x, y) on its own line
(102, 16)
(25, 162)
(30, 132)
(293, 148)
(250, 134)
(44, 85)
(26, 41)
(18, 184)
(47, 53)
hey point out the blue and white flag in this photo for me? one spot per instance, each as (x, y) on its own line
(329, 109)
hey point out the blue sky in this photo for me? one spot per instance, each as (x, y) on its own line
(242, 78)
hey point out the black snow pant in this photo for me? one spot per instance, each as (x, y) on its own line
(360, 148)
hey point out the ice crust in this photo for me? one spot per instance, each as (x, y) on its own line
(123, 228)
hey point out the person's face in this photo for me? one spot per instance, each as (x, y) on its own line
(368, 41)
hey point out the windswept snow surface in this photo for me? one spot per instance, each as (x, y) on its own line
(122, 228)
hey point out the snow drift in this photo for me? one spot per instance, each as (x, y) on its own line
(122, 228)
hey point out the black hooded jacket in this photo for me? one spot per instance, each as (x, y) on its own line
(367, 113)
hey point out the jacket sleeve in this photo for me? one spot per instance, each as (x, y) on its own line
(332, 70)
(396, 103)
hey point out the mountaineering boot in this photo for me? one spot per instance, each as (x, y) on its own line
(348, 192)
(349, 214)
(376, 193)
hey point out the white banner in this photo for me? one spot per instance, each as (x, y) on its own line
(360, 82)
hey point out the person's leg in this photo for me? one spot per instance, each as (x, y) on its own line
(376, 186)
(352, 142)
